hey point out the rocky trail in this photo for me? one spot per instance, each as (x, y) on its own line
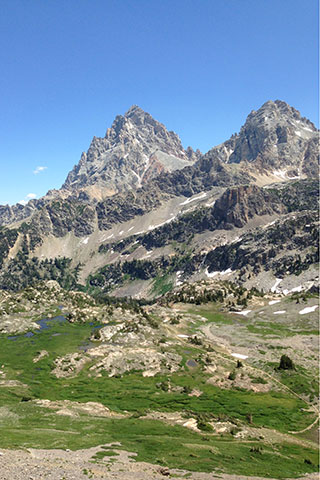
(34, 464)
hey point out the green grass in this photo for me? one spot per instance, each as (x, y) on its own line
(105, 453)
(300, 381)
(273, 328)
(132, 392)
(23, 424)
(155, 442)
(212, 316)
(162, 285)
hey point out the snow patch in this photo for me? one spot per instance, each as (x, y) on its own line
(239, 355)
(199, 197)
(308, 310)
(273, 302)
(237, 239)
(226, 272)
(84, 241)
(269, 224)
(280, 173)
(211, 274)
(164, 223)
(275, 288)
(279, 312)
(183, 336)
(178, 281)
(244, 312)
(297, 289)
(138, 177)
(294, 178)
(214, 274)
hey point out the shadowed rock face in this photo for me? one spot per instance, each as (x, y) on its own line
(134, 150)
(237, 205)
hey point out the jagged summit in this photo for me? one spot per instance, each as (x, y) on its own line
(279, 112)
(138, 117)
(134, 108)
(135, 149)
(136, 111)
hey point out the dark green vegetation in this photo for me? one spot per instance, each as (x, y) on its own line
(258, 249)
(286, 363)
(23, 271)
(300, 195)
(7, 240)
(118, 273)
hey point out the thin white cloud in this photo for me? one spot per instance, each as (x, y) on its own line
(28, 197)
(39, 169)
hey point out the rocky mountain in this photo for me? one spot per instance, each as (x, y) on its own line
(134, 150)
(104, 215)
(277, 140)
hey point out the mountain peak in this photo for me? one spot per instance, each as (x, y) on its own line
(133, 151)
(139, 117)
(278, 138)
(134, 110)
(277, 111)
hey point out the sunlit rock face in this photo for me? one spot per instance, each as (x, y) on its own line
(134, 150)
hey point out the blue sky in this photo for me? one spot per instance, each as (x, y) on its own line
(68, 67)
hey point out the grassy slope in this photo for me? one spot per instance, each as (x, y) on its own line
(25, 424)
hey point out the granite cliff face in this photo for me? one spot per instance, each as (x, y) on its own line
(134, 150)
